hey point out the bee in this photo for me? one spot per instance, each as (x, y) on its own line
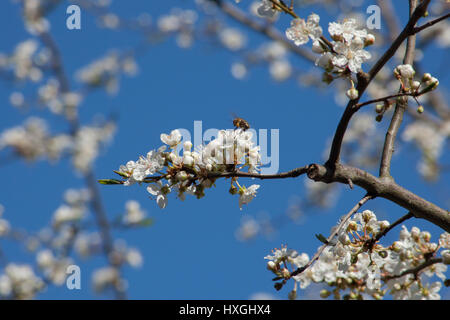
(241, 123)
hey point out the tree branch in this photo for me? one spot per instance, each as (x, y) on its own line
(415, 271)
(89, 178)
(384, 188)
(407, 216)
(400, 107)
(365, 79)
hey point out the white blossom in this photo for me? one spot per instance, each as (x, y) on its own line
(301, 31)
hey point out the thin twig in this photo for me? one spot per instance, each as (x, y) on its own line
(415, 271)
(366, 198)
(407, 216)
(400, 107)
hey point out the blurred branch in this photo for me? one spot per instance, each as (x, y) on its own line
(96, 202)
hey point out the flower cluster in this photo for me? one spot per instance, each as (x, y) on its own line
(194, 170)
(25, 62)
(73, 209)
(32, 140)
(181, 23)
(405, 74)
(355, 266)
(19, 281)
(430, 140)
(105, 72)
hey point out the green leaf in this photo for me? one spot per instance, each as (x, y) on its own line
(322, 238)
(110, 181)
(122, 174)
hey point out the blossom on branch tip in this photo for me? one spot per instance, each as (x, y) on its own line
(301, 31)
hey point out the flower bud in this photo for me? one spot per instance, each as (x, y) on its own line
(285, 273)
(426, 77)
(368, 215)
(182, 176)
(420, 109)
(233, 190)
(352, 226)
(324, 293)
(397, 246)
(327, 78)
(404, 71)
(383, 224)
(431, 84)
(415, 233)
(272, 266)
(344, 239)
(352, 94)
(187, 146)
(379, 108)
(379, 118)
(370, 39)
(415, 85)
(188, 160)
(426, 236)
(446, 256)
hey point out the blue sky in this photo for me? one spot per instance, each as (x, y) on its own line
(191, 251)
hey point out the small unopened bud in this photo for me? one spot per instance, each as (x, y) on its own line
(426, 13)
(352, 94)
(432, 246)
(426, 77)
(285, 273)
(377, 296)
(187, 146)
(379, 118)
(182, 176)
(415, 233)
(324, 293)
(404, 71)
(188, 160)
(426, 236)
(383, 254)
(368, 215)
(431, 84)
(415, 85)
(397, 246)
(370, 40)
(379, 108)
(344, 239)
(420, 109)
(352, 226)
(446, 256)
(383, 224)
(272, 266)
(327, 78)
